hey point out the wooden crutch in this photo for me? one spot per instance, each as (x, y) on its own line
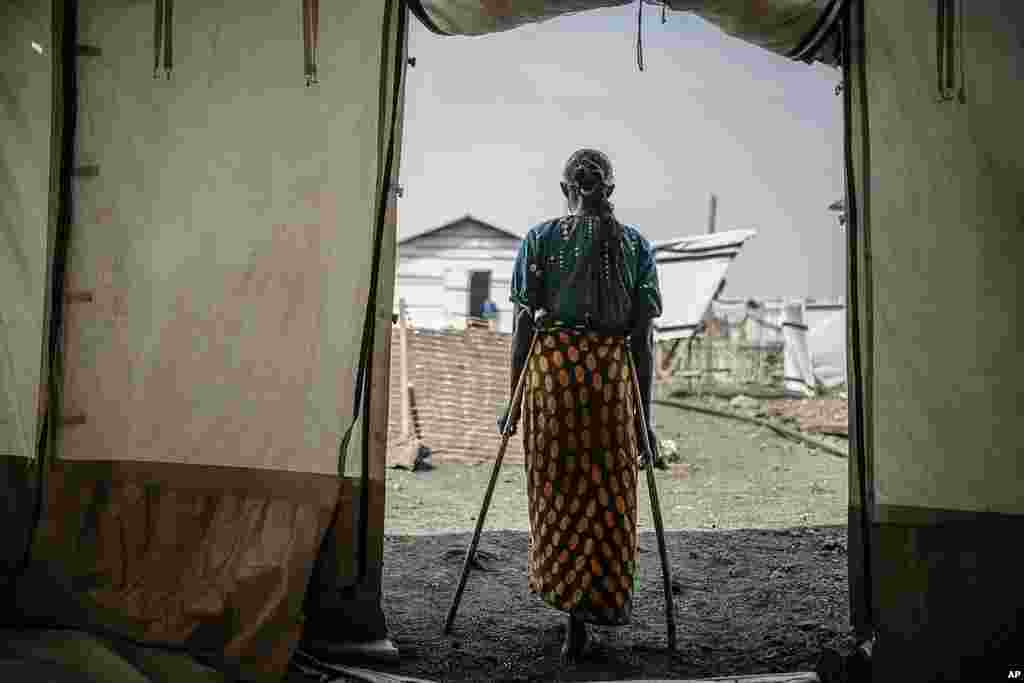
(659, 529)
(506, 432)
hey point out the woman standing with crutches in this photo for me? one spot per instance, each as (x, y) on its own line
(585, 289)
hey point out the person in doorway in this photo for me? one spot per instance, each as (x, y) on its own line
(587, 285)
(489, 312)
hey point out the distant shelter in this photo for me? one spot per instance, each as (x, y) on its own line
(449, 275)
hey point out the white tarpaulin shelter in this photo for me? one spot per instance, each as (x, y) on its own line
(826, 342)
(798, 375)
(691, 270)
(821, 335)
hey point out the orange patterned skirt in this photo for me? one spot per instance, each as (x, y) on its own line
(581, 468)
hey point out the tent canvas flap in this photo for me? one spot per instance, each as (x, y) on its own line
(219, 276)
(788, 27)
(26, 81)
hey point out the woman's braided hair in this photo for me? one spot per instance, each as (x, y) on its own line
(599, 277)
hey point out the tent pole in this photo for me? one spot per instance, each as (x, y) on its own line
(403, 359)
(862, 605)
(712, 214)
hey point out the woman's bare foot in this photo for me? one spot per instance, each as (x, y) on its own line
(575, 640)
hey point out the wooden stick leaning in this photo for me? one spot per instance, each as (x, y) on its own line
(659, 529)
(506, 432)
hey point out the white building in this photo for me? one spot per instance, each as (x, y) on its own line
(447, 273)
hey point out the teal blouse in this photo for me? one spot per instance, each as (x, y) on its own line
(548, 255)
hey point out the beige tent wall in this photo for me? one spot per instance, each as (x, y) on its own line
(940, 190)
(225, 240)
(218, 276)
(26, 91)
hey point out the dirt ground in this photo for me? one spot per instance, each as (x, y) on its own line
(750, 601)
(757, 548)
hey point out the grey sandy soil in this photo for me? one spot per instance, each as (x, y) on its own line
(757, 547)
(747, 601)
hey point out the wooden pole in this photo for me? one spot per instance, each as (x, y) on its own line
(403, 353)
(709, 359)
(712, 214)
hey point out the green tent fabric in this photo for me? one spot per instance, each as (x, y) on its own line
(27, 59)
(794, 28)
(935, 209)
(59, 656)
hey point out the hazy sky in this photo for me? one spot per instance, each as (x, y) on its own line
(491, 120)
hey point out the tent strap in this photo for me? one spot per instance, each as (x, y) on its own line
(853, 40)
(363, 401)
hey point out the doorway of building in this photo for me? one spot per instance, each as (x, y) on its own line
(479, 292)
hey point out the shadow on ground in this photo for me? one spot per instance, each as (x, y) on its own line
(747, 601)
